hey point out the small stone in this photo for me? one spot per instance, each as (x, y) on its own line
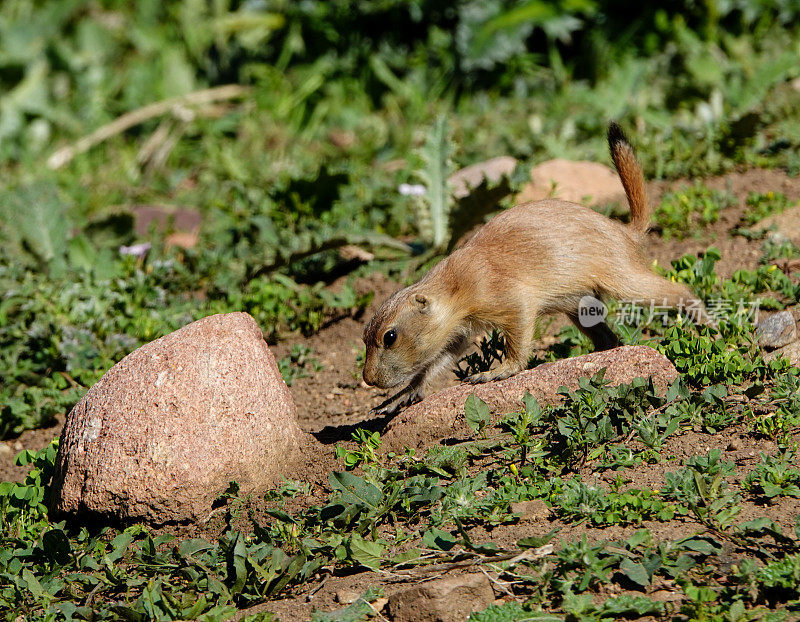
(777, 330)
(471, 176)
(442, 600)
(4, 448)
(18, 446)
(733, 445)
(165, 216)
(182, 239)
(665, 596)
(347, 596)
(533, 510)
(379, 604)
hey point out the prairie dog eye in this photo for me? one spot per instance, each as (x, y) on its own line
(389, 337)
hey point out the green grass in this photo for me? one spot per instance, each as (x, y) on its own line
(685, 213)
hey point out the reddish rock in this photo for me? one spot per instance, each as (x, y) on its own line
(534, 510)
(165, 430)
(182, 239)
(441, 415)
(783, 226)
(182, 219)
(442, 600)
(471, 176)
(574, 181)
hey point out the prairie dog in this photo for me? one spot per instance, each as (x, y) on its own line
(536, 258)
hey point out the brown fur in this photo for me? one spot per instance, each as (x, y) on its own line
(533, 259)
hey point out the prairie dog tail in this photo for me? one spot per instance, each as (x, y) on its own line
(630, 173)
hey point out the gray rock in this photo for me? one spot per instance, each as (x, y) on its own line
(441, 415)
(442, 600)
(777, 330)
(165, 430)
(791, 352)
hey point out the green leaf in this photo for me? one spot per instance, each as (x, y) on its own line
(56, 546)
(438, 539)
(366, 552)
(292, 570)
(119, 545)
(534, 542)
(33, 584)
(406, 556)
(635, 571)
(82, 255)
(356, 612)
(39, 222)
(192, 546)
(237, 566)
(434, 174)
(699, 544)
(476, 412)
(355, 490)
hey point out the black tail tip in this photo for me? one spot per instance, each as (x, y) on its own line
(616, 135)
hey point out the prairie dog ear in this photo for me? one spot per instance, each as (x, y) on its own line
(421, 300)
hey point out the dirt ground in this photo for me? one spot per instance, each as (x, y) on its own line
(334, 400)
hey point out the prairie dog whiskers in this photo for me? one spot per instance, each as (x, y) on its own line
(533, 259)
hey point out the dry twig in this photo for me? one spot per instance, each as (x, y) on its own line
(135, 117)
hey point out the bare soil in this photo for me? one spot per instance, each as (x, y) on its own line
(333, 401)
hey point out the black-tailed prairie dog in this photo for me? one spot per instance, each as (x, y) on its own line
(536, 258)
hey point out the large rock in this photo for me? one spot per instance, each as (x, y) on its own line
(581, 182)
(441, 415)
(165, 430)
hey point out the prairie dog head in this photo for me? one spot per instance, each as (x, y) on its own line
(401, 338)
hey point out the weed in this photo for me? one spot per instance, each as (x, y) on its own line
(299, 364)
(368, 444)
(774, 477)
(684, 212)
(476, 414)
(575, 501)
(701, 486)
(23, 507)
(758, 207)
